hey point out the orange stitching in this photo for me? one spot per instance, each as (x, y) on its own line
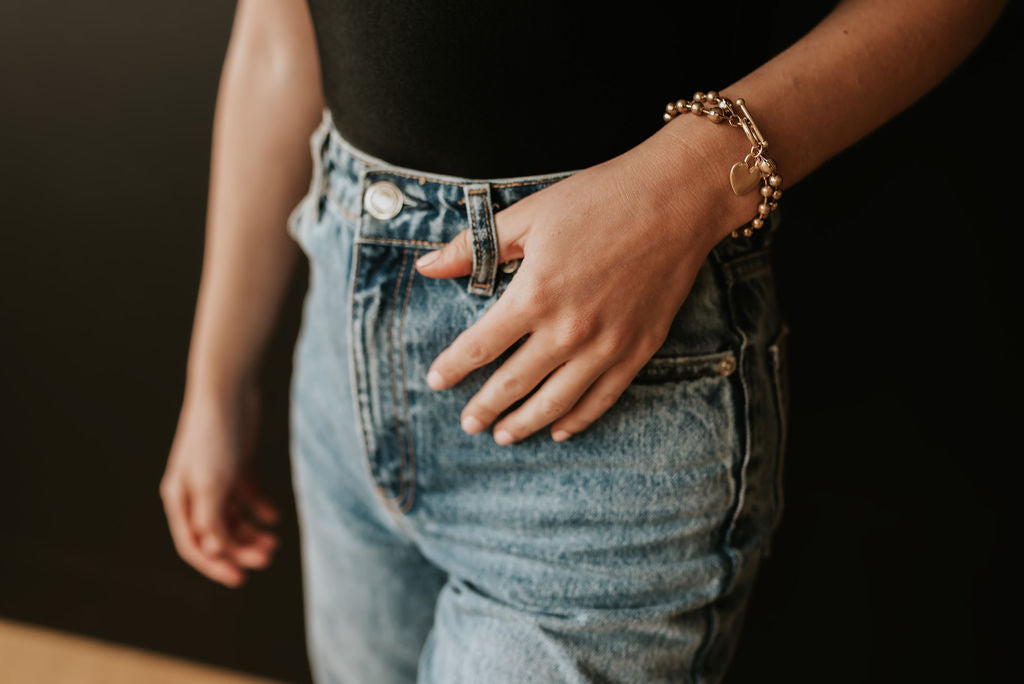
(476, 243)
(394, 383)
(529, 182)
(348, 214)
(405, 396)
(359, 403)
(398, 241)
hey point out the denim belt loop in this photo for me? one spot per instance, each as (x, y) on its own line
(485, 239)
(318, 145)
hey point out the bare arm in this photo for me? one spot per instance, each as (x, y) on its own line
(867, 61)
(269, 101)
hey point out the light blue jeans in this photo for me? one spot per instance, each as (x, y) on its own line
(625, 554)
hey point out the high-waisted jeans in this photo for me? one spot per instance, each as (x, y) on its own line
(624, 554)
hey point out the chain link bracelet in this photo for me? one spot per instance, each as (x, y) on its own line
(756, 169)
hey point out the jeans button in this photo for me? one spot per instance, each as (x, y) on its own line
(510, 266)
(383, 200)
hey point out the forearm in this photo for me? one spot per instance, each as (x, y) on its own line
(268, 103)
(864, 63)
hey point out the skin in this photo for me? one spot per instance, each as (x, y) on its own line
(609, 254)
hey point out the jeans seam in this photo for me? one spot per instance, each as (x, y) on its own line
(356, 345)
(399, 432)
(399, 241)
(724, 549)
(409, 446)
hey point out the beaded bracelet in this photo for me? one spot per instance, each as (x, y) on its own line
(755, 169)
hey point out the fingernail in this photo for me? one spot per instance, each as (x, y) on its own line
(428, 258)
(560, 435)
(503, 437)
(472, 425)
(435, 380)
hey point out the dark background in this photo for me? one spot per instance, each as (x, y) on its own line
(897, 271)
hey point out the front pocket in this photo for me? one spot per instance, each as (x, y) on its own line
(675, 368)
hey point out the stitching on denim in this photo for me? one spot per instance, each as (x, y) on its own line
(474, 284)
(491, 229)
(687, 367)
(394, 383)
(779, 371)
(724, 548)
(357, 345)
(411, 461)
(376, 165)
(348, 214)
(399, 241)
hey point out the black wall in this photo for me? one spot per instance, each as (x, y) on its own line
(897, 268)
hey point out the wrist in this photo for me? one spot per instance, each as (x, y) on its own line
(210, 390)
(698, 156)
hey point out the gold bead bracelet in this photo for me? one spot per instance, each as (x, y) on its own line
(756, 169)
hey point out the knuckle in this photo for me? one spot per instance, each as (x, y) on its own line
(512, 384)
(612, 344)
(529, 298)
(553, 406)
(567, 337)
(474, 352)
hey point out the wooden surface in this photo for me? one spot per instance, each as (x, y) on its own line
(29, 653)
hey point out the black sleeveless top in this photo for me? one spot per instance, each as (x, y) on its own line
(490, 89)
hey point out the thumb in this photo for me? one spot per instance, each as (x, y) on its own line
(456, 258)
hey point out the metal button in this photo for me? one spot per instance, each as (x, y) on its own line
(510, 266)
(383, 200)
(727, 365)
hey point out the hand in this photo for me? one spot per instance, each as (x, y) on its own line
(209, 492)
(609, 254)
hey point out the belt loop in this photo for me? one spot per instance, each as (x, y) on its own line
(308, 207)
(485, 239)
(318, 144)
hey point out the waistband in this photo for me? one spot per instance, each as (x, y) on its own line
(351, 171)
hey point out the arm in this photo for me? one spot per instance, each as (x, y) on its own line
(863, 64)
(268, 104)
(611, 252)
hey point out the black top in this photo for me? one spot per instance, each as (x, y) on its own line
(490, 89)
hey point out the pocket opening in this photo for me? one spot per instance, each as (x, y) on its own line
(692, 367)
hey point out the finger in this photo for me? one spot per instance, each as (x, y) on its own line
(522, 371)
(249, 546)
(555, 398)
(208, 517)
(257, 502)
(176, 507)
(495, 331)
(596, 401)
(453, 259)
(456, 257)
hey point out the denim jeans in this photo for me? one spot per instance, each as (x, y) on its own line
(624, 554)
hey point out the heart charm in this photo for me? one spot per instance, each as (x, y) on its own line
(743, 178)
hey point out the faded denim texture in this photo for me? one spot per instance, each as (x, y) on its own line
(625, 554)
